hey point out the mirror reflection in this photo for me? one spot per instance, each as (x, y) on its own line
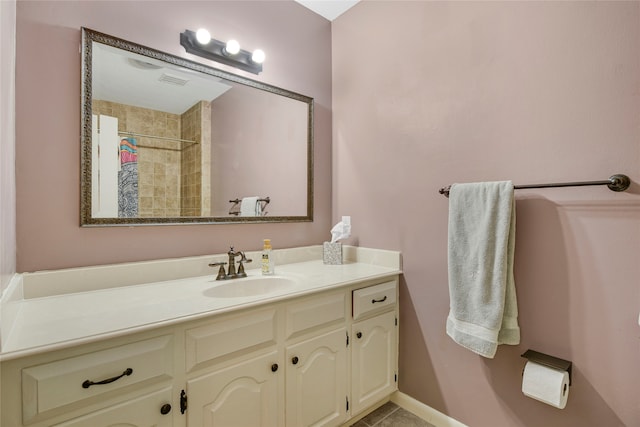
(167, 140)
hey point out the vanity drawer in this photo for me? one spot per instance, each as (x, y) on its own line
(374, 299)
(224, 338)
(313, 312)
(143, 411)
(72, 381)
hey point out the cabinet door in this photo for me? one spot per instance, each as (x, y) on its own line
(145, 411)
(242, 395)
(316, 381)
(373, 360)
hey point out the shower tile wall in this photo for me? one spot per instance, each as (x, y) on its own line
(174, 178)
(195, 186)
(205, 158)
(158, 160)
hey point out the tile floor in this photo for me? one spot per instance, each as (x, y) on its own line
(391, 415)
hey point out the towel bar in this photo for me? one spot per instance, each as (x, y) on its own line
(617, 182)
(236, 202)
(266, 199)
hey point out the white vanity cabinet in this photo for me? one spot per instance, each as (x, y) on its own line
(283, 365)
(316, 381)
(113, 383)
(317, 360)
(374, 355)
(243, 394)
(312, 360)
(234, 370)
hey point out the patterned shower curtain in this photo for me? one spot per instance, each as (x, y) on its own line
(128, 179)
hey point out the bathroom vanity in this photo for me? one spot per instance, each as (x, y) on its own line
(314, 345)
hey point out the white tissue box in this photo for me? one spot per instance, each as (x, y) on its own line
(332, 253)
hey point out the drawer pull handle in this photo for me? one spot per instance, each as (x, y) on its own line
(165, 409)
(89, 383)
(373, 301)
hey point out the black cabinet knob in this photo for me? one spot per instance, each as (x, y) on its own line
(359, 335)
(294, 360)
(165, 409)
(274, 367)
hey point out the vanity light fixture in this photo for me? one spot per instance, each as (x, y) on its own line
(232, 47)
(203, 36)
(200, 43)
(258, 56)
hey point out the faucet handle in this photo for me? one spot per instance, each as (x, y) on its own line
(243, 259)
(221, 273)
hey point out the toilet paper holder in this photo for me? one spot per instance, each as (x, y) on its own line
(549, 361)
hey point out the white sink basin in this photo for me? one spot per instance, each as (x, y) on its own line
(249, 287)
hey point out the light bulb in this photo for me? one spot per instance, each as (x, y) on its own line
(258, 56)
(203, 36)
(232, 47)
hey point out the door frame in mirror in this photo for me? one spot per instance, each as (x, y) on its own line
(86, 219)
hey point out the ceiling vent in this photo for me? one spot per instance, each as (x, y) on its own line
(174, 80)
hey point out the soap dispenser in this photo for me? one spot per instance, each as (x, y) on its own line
(267, 258)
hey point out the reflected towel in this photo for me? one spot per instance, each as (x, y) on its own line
(483, 311)
(128, 150)
(248, 206)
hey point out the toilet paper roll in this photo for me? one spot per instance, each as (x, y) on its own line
(548, 385)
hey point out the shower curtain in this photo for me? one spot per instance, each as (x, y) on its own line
(128, 179)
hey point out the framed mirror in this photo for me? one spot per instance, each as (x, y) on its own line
(166, 140)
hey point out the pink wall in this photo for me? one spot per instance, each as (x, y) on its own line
(7, 143)
(298, 47)
(431, 93)
(247, 144)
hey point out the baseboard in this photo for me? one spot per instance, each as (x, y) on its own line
(427, 413)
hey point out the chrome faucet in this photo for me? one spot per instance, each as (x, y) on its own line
(231, 272)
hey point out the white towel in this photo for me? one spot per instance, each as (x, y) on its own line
(248, 206)
(484, 310)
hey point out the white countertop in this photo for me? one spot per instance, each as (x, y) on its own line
(57, 321)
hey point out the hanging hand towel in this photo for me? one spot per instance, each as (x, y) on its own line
(248, 206)
(483, 311)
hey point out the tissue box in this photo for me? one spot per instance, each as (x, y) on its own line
(332, 253)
